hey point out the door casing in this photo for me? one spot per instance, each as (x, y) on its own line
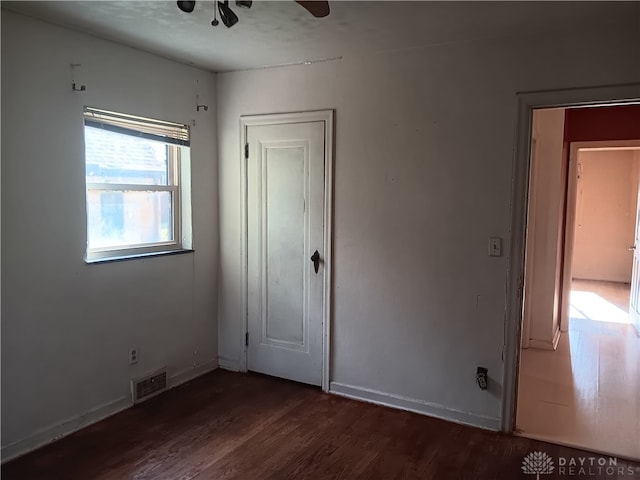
(526, 103)
(246, 121)
(570, 221)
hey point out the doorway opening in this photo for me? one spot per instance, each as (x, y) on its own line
(579, 358)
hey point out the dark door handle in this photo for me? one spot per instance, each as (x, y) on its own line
(315, 258)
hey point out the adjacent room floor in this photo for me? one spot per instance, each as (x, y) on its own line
(587, 392)
(246, 426)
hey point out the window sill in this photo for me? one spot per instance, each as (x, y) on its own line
(137, 256)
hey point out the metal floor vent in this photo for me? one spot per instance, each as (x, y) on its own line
(149, 385)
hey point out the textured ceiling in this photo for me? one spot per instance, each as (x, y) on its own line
(282, 32)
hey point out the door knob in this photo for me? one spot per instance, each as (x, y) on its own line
(315, 258)
(632, 248)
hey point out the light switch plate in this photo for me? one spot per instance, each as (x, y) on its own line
(495, 247)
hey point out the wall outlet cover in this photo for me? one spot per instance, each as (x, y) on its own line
(133, 356)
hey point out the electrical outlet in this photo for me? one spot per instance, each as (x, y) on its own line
(482, 378)
(133, 356)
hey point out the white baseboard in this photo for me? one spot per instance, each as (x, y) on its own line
(71, 425)
(541, 344)
(190, 373)
(414, 405)
(55, 432)
(546, 344)
(229, 364)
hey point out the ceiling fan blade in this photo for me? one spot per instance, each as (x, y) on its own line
(316, 8)
(228, 17)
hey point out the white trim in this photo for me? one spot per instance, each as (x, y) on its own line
(175, 188)
(540, 344)
(244, 247)
(66, 427)
(229, 364)
(246, 121)
(114, 253)
(71, 425)
(328, 242)
(414, 405)
(546, 344)
(572, 192)
(606, 145)
(569, 234)
(526, 102)
(529, 253)
(187, 374)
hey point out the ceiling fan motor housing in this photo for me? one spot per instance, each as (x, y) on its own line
(187, 6)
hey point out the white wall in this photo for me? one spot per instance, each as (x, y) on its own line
(424, 152)
(545, 227)
(605, 215)
(67, 326)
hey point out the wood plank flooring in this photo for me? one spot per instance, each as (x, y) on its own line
(246, 426)
(587, 392)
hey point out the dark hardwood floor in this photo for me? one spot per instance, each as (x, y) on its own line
(245, 426)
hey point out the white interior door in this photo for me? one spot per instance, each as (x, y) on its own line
(285, 227)
(634, 297)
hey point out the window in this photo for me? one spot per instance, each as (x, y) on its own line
(136, 169)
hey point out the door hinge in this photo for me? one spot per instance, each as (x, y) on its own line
(246, 339)
(246, 150)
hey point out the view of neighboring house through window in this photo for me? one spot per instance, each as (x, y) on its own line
(133, 181)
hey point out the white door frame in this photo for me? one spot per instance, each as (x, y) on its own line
(570, 221)
(526, 103)
(528, 258)
(246, 121)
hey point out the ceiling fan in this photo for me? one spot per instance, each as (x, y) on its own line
(316, 8)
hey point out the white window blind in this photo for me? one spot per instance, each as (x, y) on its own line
(160, 130)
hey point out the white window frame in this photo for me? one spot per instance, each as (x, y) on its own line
(175, 173)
